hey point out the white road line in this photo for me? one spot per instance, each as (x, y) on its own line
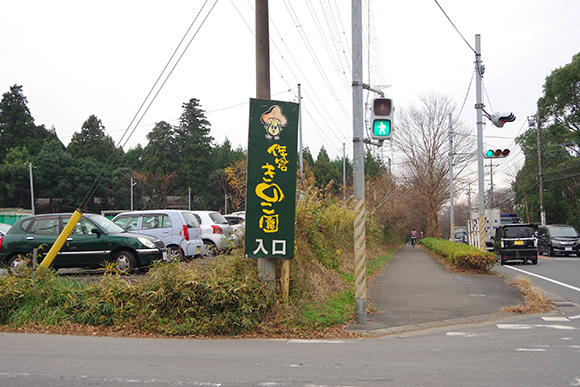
(532, 326)
(531, 350)
(465, 334)
(544, 278)
(555, 319)
(574, 317)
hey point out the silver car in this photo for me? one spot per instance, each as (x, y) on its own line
(179, 229)
(216, 231)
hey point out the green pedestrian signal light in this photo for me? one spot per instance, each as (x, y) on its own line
(382, 118)
(496, 154)
(382, 128)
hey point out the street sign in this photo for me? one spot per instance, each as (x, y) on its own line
(271, 179)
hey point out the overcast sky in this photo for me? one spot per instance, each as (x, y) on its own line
(75, 59)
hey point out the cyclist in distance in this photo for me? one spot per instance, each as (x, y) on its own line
(413, 237)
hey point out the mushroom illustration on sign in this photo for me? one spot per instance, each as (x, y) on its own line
(275, 121)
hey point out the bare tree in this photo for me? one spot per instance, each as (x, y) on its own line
(422, 135)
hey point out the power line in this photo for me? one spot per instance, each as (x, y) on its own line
(466, 42)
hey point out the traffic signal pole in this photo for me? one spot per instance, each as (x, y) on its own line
(479, 109)
(358, 165)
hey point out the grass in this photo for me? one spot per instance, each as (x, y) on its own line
(223, 298)
(536, 300)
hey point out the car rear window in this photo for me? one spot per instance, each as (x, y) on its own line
(218, 218)
(190, 219)
(518, 232)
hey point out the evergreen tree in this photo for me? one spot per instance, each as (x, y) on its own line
(92, 141)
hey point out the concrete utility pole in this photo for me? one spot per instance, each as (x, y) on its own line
(358, 166)
(479, 108)
(301, 154)
(266, 267)
(31, 188)
(531, 122)
(451, 205)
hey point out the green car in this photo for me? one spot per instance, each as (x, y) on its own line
(94, 241)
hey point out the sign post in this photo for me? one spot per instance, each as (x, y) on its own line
(271, 180)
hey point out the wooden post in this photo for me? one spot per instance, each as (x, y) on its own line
(286, 280)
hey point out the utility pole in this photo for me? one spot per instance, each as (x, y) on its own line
(360, 313)
(451, 203)
(300, 135)
(491, 183)
(479, 108)
(266, 267)
(31, 188)
(343, 172)
(531, 123)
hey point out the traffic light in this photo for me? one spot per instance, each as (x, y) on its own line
(500, 118)
(382, 118)
(496, 154)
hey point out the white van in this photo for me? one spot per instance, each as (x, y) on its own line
(179, 229)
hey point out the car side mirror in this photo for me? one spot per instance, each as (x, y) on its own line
(97, 231)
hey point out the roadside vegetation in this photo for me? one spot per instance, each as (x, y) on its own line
(536, 300)
(460, 256)
(222, 298)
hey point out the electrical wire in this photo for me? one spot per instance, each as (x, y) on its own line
(120, 144)
(456, 29)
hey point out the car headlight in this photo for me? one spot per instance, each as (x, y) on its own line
(146, 242)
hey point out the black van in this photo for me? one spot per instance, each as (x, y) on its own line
(516, 242)
(558, 239)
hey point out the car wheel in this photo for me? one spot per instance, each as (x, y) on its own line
(209, 248)
(550, 251)
(174, 253)
(17, 264)
(534, 261)
(125, 261)
(502, 261)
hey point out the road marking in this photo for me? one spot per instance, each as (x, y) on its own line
(532, 326)
(531, 350)
(465, 334)
(574, 317)
(316, 341)
(555, 319)
(545, 278)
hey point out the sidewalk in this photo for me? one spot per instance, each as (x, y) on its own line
(414, 291)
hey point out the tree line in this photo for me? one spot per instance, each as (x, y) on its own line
(558, 117)
(180, 163)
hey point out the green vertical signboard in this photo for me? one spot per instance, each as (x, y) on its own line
(271, 179)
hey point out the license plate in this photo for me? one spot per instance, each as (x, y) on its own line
(165, 255)
(518, 242)
(197, 250)
(568, 249)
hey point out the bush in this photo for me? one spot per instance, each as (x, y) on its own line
(460, 255)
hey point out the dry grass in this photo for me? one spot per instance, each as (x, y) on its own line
(536, 300)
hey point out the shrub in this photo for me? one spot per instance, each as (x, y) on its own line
(460, 255)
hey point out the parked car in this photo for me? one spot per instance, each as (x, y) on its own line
(4, 228)
(558, 239)
(179, 230)
(238, 223)
(216, 231)
(516, 242)
(94, 240)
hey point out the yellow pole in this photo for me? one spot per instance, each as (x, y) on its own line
(47, 261)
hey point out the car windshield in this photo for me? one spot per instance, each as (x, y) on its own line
(518, 232)
(104, 223)
(563, 232)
